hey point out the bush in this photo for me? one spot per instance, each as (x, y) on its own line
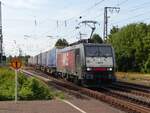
(7, 84)
(28, 88)
(32, 89)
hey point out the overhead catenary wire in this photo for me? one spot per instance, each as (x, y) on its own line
(122, 3)
(134, 8)
(86, 10)
(80, 15)
(140, 6)
(137, 7)
(74, 18)
(131, 17)
(130, 12)
(83, 13)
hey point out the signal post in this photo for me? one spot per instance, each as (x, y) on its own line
(16, 64)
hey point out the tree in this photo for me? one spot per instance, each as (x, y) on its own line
(61, 43)
(96, 39)
(113, 31)
(132, 48)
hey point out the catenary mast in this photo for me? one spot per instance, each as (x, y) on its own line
(1, 37)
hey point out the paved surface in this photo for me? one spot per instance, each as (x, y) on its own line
(57, 106)
(53, 106)
(94, 106)
(90, 105)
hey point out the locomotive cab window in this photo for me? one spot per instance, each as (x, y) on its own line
(105, 51)
(97, 51)
(91, 51)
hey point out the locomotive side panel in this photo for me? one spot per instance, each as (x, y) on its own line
(66, 62)
(70, 62)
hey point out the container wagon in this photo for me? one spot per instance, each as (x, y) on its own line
(51, 61)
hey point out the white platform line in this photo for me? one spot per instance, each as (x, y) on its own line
(77, 108)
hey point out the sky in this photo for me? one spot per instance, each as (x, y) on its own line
(34, 26)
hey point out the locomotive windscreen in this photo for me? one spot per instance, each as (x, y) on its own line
(98, 51)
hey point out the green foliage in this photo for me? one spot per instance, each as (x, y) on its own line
(61, 43)
(113, 31)
(132, 47)
(96, 39)
(147, 66)
(29, 88)
(6, 84)
(59, 94)
(33, 89)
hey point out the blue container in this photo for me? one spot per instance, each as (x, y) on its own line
(44, 58)
(51, 58)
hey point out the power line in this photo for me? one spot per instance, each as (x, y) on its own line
(79, 16)
(86, 10)
(134, 9)
(83, 13)
(123, 2)
(140, 6)
(131, 17)
(137, 7)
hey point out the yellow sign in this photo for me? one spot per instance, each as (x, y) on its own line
(16, 63)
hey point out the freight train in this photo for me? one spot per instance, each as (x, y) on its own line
(87, 64)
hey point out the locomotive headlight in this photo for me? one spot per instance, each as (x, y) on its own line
(89, 69)
(109, 69)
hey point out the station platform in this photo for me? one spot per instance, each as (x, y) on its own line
(72, 105)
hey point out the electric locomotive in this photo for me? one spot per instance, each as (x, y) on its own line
(87, 63)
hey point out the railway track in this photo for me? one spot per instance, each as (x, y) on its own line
(137, 87)
(129, 90)
(131, 97)
(119, 103)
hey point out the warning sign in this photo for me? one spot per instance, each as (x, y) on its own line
(16, 63)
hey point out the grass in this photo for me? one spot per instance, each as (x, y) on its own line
(29, 88)
(137, 78)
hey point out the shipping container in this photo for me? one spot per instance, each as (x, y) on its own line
(35, 60)
(40, 59)
(44, 59)
(51, 58)
(30, 61)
